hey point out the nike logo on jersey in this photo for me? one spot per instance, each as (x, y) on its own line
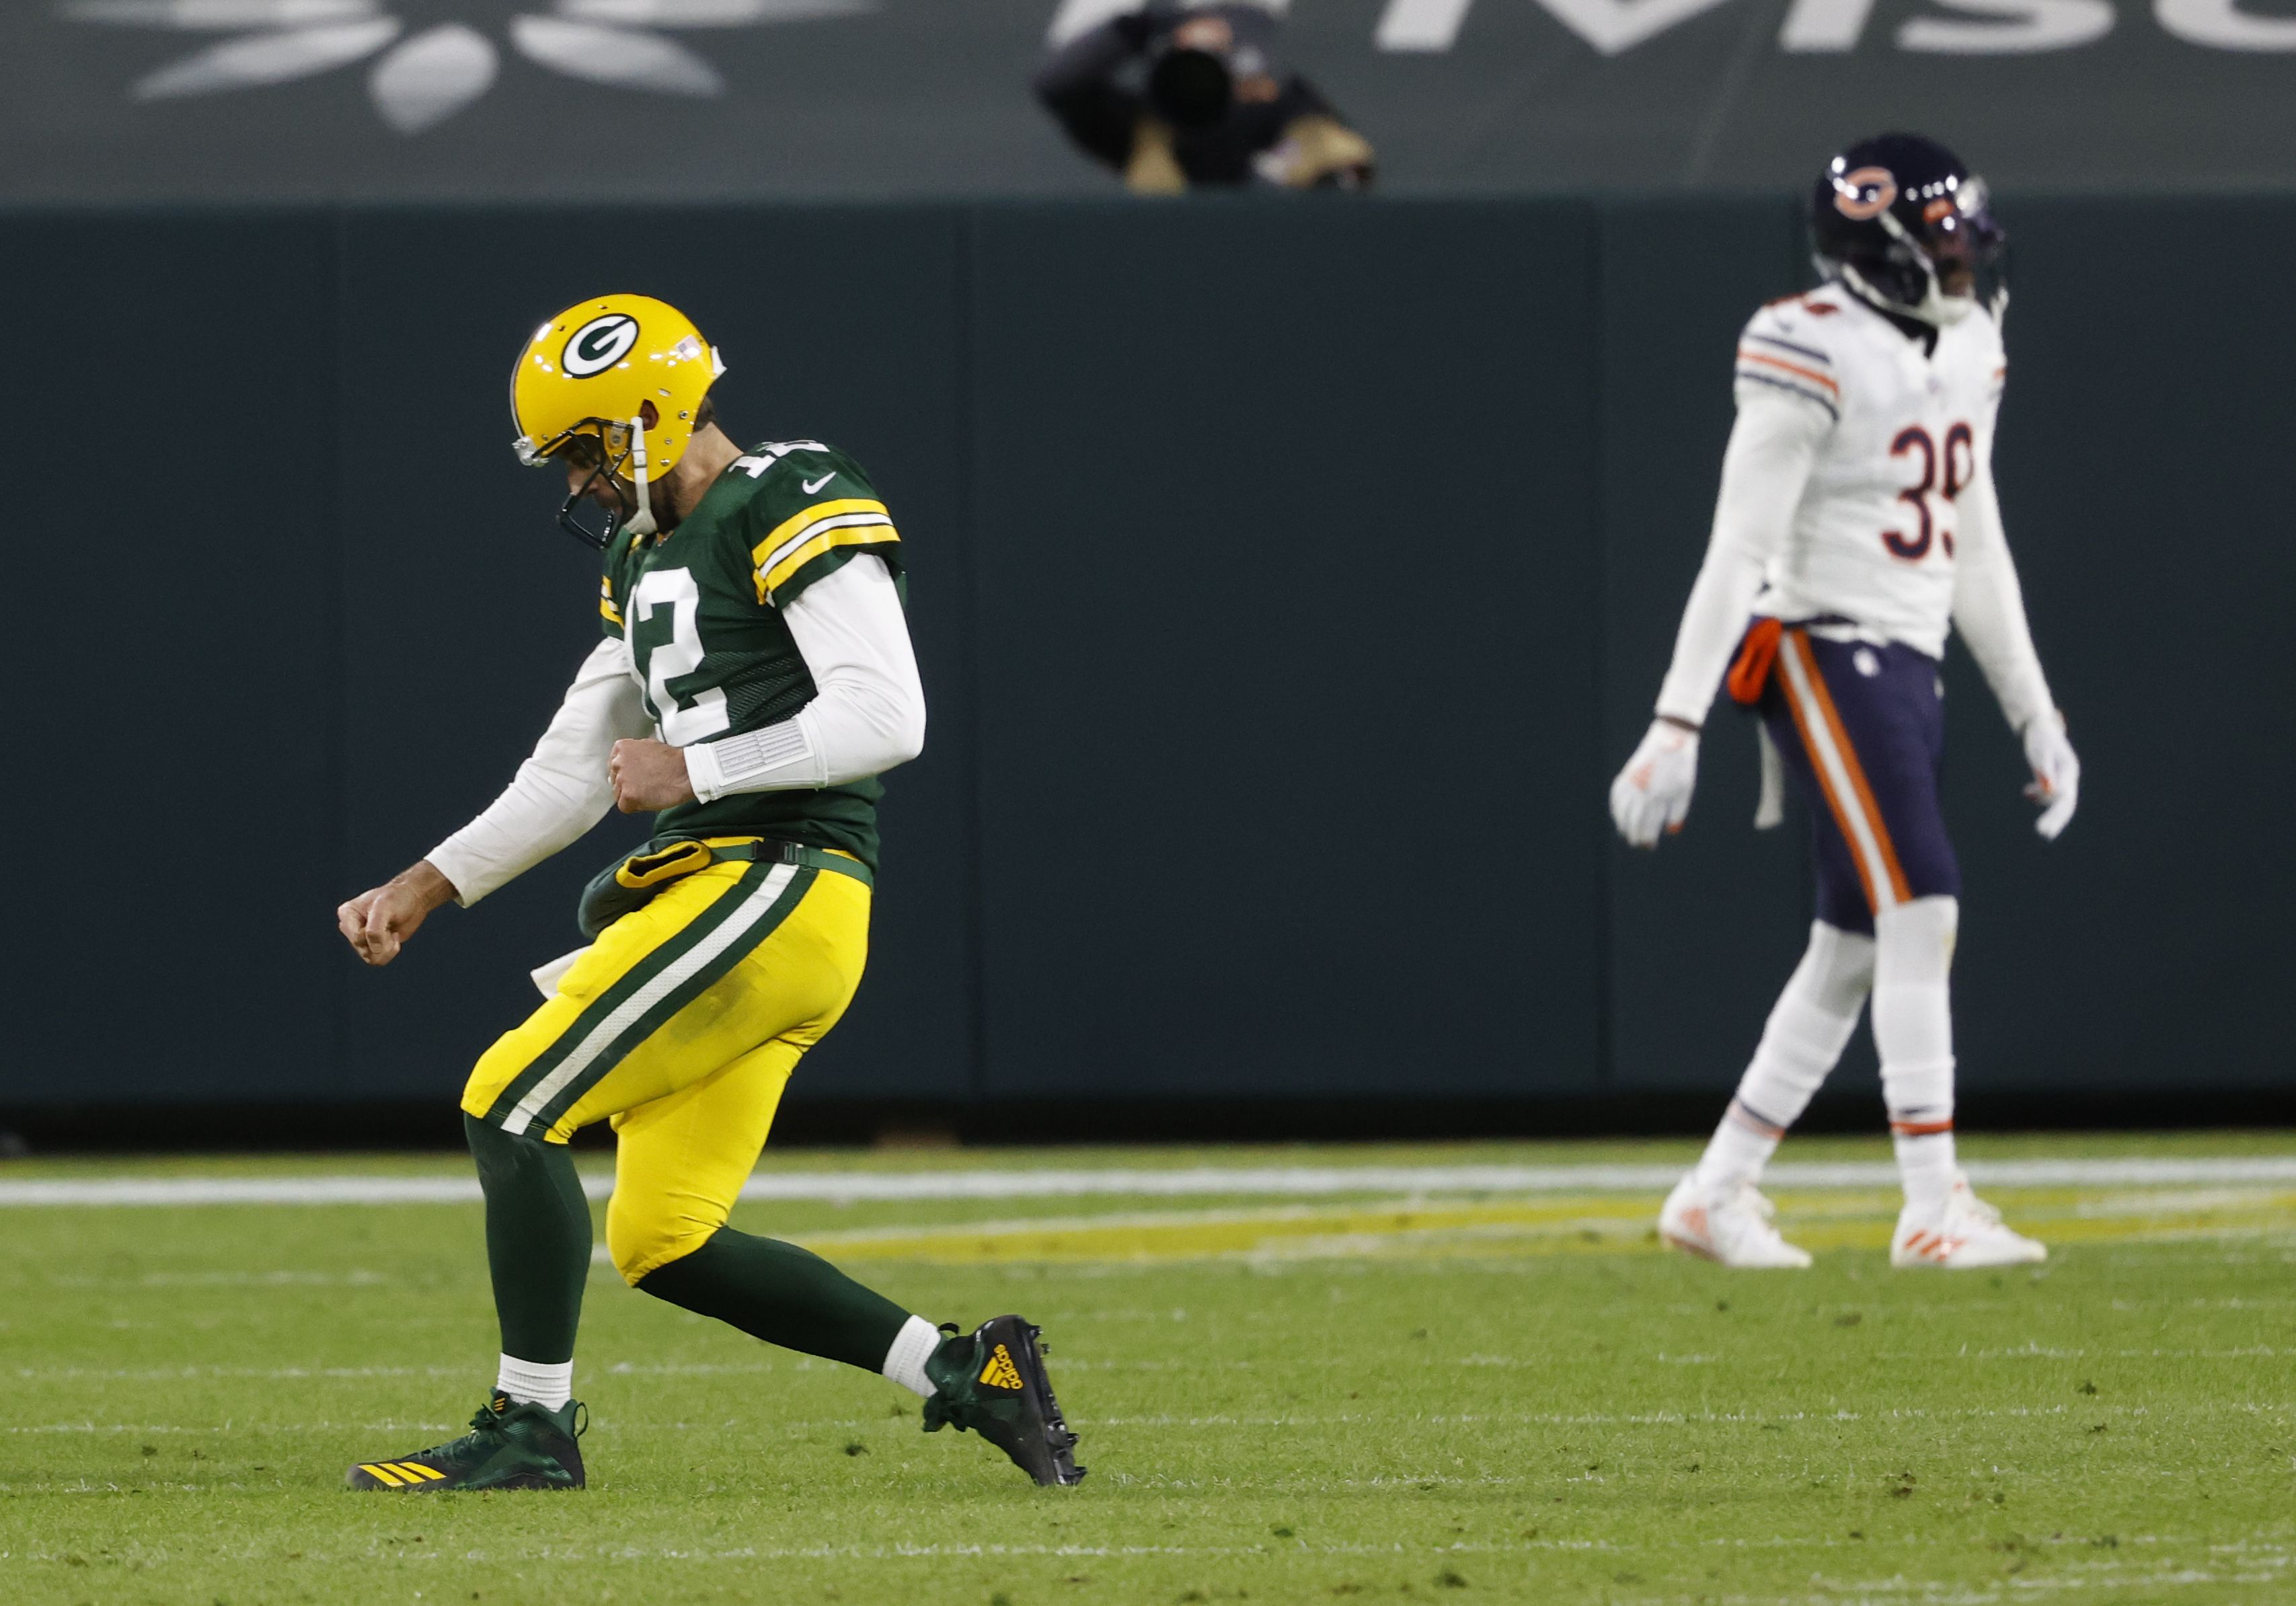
(811, 486)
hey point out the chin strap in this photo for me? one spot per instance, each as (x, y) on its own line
(640, 521)
(1935, 307)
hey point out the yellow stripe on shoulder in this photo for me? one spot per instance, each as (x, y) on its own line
(771, 580)
(799, 539)
(764, 554)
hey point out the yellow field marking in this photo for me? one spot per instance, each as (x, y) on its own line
(1215, 1234)
(1486, 1228)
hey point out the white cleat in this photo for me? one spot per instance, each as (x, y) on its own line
(1969, 1234)
(1730, 1227)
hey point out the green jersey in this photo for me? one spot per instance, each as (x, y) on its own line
(701, 611)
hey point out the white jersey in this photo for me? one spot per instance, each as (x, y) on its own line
(1858, 486)
(1872, 538)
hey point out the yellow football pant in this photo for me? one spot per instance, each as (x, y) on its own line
(682, 1025)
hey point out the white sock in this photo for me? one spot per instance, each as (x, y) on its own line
(532, 1382)
(1913, 1031)
(1926, 1166)
(1808, 1028)
(905, 1362)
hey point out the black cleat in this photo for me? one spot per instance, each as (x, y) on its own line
(993, 1382)
(510, 1445)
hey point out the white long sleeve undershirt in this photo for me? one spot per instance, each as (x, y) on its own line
(559, 792)
(1988, 608)
(1772, 448)
(870, 713)
(868, 716)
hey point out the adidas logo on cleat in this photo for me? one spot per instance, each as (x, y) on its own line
(510, 1445)
(991, 1381)
(397, 1474)
(1001, 1373)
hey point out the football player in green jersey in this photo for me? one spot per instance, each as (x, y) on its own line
(754, 679)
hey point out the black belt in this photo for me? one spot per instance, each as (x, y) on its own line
(765, 850)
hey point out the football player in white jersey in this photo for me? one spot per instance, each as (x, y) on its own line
(1857, 526)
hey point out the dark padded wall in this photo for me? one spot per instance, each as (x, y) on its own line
(1288, 582)
(172, 799)
(1287, 626)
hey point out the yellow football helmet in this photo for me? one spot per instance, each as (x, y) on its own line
(612, 384)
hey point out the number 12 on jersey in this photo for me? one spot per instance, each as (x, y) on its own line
(673, 590)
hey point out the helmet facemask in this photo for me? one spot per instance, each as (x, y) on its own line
(1960, 253)
(614, 455)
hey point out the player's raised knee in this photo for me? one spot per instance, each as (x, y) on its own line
(645, 1240)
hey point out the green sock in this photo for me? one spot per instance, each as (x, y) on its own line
(783, 1294)
(537, 1240)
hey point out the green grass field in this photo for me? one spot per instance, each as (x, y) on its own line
(1449, 1396)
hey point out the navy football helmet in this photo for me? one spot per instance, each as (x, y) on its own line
(1905, 225)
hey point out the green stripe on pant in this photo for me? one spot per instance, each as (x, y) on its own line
(628, 1010)
(703, 976)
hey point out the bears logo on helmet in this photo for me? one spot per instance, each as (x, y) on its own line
(1865, 194)
(1904, 223)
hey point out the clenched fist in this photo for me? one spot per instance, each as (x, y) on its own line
(648, 775)
(378, 924)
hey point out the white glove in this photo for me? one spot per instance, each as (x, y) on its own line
(2057, 773)
(1652, 792)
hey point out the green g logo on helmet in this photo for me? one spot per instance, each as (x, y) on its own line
(599, 344)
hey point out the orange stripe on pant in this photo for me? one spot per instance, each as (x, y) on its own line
(1823, 714)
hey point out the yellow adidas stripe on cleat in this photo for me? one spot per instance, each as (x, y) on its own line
(414, 1470)
(383, 1475)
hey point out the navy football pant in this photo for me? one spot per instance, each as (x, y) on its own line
(1861, 729)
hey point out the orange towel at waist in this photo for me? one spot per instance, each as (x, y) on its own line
(1749, 674)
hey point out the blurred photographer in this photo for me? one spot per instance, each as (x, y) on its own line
(1178, 99)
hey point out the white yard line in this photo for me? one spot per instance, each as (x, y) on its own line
(857, 1187)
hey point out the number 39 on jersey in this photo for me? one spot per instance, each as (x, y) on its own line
(1903, 431)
